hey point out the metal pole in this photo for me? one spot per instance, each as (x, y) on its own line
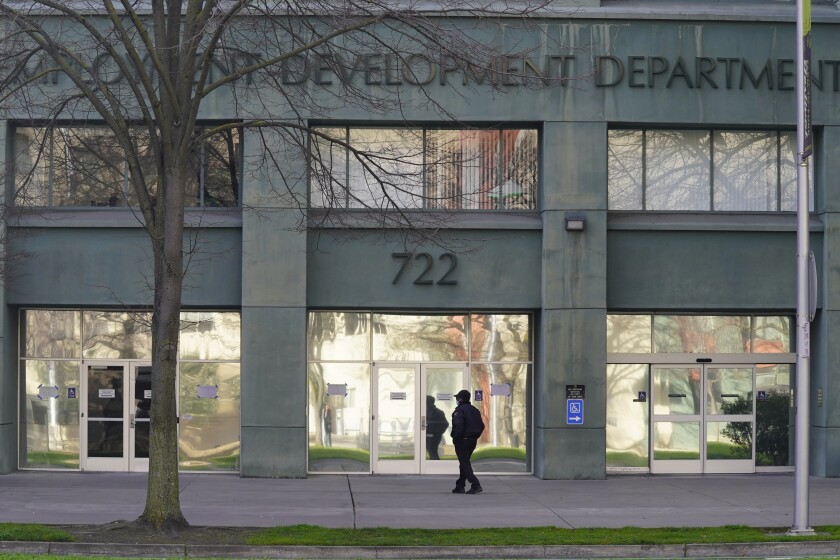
(803, 335)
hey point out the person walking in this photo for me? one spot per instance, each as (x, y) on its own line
(436, 427)
(467, 427)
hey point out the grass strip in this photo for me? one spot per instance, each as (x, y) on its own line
(32, 532)
(321, 536)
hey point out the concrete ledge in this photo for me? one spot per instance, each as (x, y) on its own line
(717, 550)
(120, 550)
(616, 551)
(733, 550)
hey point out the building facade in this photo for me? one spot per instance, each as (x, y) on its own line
(612, 270)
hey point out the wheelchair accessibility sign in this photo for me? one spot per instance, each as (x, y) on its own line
(574, 411)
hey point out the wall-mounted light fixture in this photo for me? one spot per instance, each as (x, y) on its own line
(575, 223)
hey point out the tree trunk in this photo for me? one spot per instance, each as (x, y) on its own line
(163, 505)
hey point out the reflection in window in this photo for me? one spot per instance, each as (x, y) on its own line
(729, 440)
(701, 334)
(627, 416)
(774, 416)
(208, 432)
(434, 338)
(629, 333)
(497, 338)
(339, 419)
(702, 170)
(333, 335)
(51, 334)
(49, 428)
(676, 441)
(424, 168)
(84, 166)
(502, 447)
(210, 336)
(117, 335)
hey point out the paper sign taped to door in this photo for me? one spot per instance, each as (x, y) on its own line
(397, 396)
(208, 391)
(47, 392)
(107, 393)
(337, 389)
(444, 396)
(500, 389)
(147, 393)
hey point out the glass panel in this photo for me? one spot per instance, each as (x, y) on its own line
(51, 334)
(143, 392)
(729, 440)
(676, 391)
(774, 416)
(418, 338)
(625, 168)
(629, 333)
(32, 166)
(745, 171)
(771, 334)
(339, 417)
(88, 168)
(701, 334)
(142, 411)
(208, 438)
(441, 385)
(729, 391)
(462, 169)
(500, 338)
(504, 445)
(210, 336)
(678, 170)
(105, 392)
(333, 335)
(627, 415)
(788, 174)
(105, 438)
(518, 190)
(395, 421)
(676, 441)
(386, 168)
(117, 335)
(50, 424)
(141, 439)
(148, 166)
(222, 156)
(328, 171)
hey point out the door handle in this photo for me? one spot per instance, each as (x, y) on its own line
(131, 420)
(422, 422)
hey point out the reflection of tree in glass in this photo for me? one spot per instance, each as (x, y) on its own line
(117, 335)
(772, 430)
(433, 338)
(678, 163)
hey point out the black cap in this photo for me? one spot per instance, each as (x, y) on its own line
(463, 395)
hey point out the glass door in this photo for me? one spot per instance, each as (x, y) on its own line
(412, 411)
(729, 419)
(703, 419)
(139, 420)
(104, 429)
(115, 416)
(394, 440)
(439, 385)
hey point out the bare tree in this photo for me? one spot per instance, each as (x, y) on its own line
(142, 71)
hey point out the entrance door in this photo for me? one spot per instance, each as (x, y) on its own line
(703, 419)
(410, 405)
(115, 416)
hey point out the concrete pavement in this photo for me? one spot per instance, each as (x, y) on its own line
(762, 500)
(412, 501)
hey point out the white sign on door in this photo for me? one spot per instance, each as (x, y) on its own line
(107, 393)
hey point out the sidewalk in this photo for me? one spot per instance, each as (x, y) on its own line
(426, 502)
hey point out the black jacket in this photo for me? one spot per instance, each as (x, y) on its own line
(466, 422)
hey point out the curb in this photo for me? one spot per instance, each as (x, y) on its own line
(719, 550)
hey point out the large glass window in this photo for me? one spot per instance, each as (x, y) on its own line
(344, 346)
(83, 166)
(52, 344)
(703, 170)
(424, 168)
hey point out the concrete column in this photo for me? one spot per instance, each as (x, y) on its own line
(572, 331)
(825, 330)
(273, 316)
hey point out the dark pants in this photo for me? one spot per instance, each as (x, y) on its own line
(432, 445)
(464, 449)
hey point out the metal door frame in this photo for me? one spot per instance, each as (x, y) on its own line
(418, 465)
(702, 465)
